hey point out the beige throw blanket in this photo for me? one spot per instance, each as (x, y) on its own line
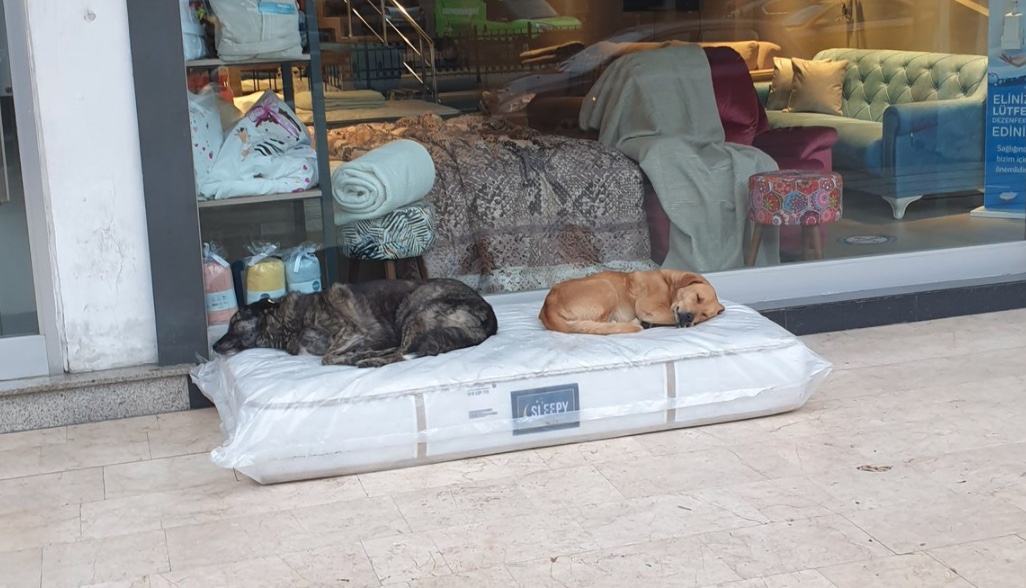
(659, 109)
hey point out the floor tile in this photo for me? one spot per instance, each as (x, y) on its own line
(93, 561)
(497, 577)
(876, 485)
(522, 538)
(37, 527)
(478, 469)
(678, 563)
(802, 579)
(51, 490)
(462, 504)
(785, 458)
(994, 471)
(651, 518)
(988, 563)
(918, 525)
(70, 456)
(793, 546)
(37, 438)
(299, 529)
(205, 504)
(678, 441)
(769, 501)
(183, 433)
(571, 487)
(344, 565)
(161, 475)
(21, 568)
(575, 454)
(130, 430)
(405, 558)
(913, 570)
(654, 476)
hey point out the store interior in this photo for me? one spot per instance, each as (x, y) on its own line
(524, 196)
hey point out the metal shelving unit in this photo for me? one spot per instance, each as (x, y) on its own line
(313, 64)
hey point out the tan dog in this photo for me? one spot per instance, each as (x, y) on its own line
(618, 302)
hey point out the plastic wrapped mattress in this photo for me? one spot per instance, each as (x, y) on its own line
(288, 417)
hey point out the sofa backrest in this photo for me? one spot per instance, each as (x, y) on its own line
(877, 79)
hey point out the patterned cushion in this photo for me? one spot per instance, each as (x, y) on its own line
(403, 233)
(791, 197)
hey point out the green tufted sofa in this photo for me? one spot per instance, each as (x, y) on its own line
(913, 123)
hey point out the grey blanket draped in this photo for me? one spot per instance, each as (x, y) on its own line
(658, 108)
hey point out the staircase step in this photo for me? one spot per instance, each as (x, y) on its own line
(70, 399)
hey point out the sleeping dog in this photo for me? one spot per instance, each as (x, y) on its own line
(366, 325)
(619, 302)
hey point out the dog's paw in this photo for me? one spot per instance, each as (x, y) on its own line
(372, 362)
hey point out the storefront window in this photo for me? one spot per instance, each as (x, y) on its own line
(569, 136)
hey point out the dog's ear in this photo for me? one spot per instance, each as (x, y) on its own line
(677, 280)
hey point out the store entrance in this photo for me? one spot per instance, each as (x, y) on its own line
(22, 353)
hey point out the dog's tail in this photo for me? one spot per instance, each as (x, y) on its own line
(554, 321)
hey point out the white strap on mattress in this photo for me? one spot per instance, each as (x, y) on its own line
(671, 393)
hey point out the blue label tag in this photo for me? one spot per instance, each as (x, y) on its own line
(545, 409)
(272, 7)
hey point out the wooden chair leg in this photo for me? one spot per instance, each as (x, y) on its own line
(390, 273)
(354, 270)
(422, 268)
(753, 245)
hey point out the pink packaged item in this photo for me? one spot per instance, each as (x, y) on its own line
(218, 286)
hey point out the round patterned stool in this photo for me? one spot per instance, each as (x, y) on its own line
(792, 197)
(405, 233)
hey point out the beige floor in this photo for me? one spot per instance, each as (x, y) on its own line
(907, 469)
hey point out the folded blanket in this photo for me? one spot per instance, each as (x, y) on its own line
(342, 100)
(386, 178)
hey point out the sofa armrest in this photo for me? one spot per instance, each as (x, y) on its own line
(799, 147)
(762, 89)
(930, 133)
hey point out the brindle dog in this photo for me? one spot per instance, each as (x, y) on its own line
(366, 325)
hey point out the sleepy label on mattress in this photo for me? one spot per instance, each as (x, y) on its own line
(545, 409)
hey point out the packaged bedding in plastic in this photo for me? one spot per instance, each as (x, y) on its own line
(289, 417)
(265, 273)
(268, 151)
(257, 29)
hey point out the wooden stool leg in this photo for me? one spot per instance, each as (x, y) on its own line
(753, 246)
(422, 267)
(812, 242)
(354, 270)
(390, 273)
(817, 241)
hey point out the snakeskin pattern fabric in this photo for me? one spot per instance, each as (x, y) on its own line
(517, 209)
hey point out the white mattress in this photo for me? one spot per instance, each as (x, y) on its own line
(288, 417)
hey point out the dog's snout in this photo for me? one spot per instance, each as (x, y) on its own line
(685, 319)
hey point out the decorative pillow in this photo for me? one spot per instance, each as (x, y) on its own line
(401, 234)
(780, 86)
(748, 50)
(817, 86)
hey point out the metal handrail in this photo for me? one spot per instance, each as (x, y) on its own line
(418, 49)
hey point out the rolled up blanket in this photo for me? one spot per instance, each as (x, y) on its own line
(389, 177)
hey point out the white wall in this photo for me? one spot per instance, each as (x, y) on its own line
(91, 181)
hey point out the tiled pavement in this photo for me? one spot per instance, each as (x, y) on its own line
(908, 468)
